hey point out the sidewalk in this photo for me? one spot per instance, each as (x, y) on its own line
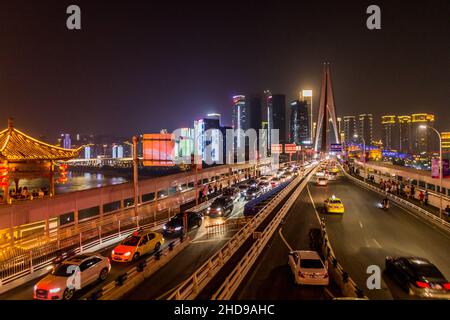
(430, 208)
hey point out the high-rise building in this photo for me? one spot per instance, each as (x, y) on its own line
(299, 123)
(254, 112)
(269, 119)
(277, 120)
(422, 139)
(349, 129)
(389, 125)
(404, 130)
(239, 116)
(445, 144)
(66, 142)
(87, 152)
(365, 127)
(207, 135)
(307, 95)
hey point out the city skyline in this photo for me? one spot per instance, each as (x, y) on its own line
(183, 67)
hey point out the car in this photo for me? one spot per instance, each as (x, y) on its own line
(418, 277)
(333, 205)
(320, 173)
(332, 176)
(265, 178)
(175, 227)
(253, 192)
(322, 181)
(232, 192)
(243, 189)
(74, 273)
(221, 207)
(275, 182)
(308, 268)
(137, 244)
(264, 185)
(252, 182)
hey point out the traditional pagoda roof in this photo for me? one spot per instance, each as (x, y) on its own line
(18, 146)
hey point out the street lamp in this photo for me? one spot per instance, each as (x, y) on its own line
(364, 154)
(440, 164)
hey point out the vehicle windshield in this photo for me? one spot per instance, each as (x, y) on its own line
(427, 271)
(311, 264)
(131, 241)
(218, 202)
(252, 189)
(65, 270)
(335, 201)
(243, 187)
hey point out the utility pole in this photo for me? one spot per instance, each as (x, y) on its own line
(135, 177)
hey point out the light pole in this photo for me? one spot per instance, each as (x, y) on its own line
(364, 155)
(440, 165)
(135, 177)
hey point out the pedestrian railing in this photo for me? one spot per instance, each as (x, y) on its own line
(38, 259)
(226, 226)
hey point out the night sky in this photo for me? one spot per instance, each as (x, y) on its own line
(139, 66)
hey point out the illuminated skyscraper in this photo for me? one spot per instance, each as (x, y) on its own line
(389, 125)
(404, 127)
(422, 139)
(349, 128)
(307, 95)
(66, 141)
(240, 116)
(299, 123)
(278, 118)
(365, 127)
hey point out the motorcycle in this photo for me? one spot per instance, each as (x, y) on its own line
(384, 204)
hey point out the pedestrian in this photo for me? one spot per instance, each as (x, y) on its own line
(215, 188)
(421, 196)
(426, 197)
(413, 191)
(447, 211)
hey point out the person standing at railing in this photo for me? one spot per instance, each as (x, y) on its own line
(421, 197)
(447, 211)
(413, 191)
(426, 197)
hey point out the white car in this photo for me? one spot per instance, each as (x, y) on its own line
(320, 173)
(72, 274)
(332, 176)
(308, 268)
(322, 181)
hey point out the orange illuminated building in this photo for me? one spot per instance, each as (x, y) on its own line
(23, 157)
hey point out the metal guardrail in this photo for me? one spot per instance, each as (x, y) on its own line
(418, 211)
(226, 226)
(191, 287)
(145, 268)
(348, 287)
(29, 265)
(234, 279)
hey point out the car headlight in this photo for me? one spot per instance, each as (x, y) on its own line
(164, 227)
(254, 194)
(209, 209)
(113, 252)
(177, 228)
(219, 209)
(127, 254)
(54, 290)
(35, 287)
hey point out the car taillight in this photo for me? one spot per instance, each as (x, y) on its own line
(447, 286)
(421, 284)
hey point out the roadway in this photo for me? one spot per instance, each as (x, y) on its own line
(201, 248)
(363, 236)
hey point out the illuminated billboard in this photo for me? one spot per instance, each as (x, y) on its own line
(158, 149)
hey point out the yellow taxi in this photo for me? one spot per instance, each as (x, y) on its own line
(137, 244)
(334, 170)
(333, 205)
